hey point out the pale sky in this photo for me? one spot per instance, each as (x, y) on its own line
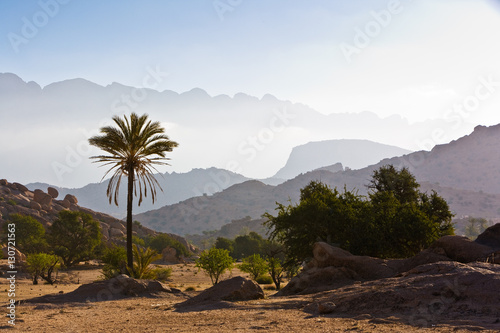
(416, 59)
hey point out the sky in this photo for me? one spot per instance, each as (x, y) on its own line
(416, 59)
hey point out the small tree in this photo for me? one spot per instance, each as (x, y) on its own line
(276, 271)
(215, 262)
(254, 265)
(74, 236)
(42, 265)
(115, 260)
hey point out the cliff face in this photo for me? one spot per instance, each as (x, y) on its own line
(45, 207)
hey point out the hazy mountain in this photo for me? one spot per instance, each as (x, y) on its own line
(47, 129)
(353, 154)
(465, 178)
(176, 187)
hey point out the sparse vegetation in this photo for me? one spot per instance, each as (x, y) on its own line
(254, 265)
(215, 262)
(42, 265)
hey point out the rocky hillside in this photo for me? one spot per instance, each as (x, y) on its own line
(45, 206)
(469, 184)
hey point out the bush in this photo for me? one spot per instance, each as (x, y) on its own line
(142, 261)
(42, 265)
(115, 259)
(215, 262)
(162, 241)
(264, 279)
(162, 273)
(254, 265)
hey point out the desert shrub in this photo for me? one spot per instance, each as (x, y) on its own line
(264, 279)
(254, 265)
(12, 202)
(42, 265)
(138, 240)
(162, 273)
(190, 289)
(215, 262)
(115, 259)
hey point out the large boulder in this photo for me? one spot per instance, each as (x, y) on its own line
(235, 289)
(490, 237)
(42, 198)
(53, 192)
(4, 182)
(20, 187)
(461, 249)
(169, 254)
(71, 198)
(18, 255)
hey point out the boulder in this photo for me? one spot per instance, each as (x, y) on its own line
(53, 192)
(20, 187)
(235, 289)
(35, 205)
(461, 249)
(65, 203)
(490, 237)
(42, 198)
(3, 182)
(169, 255)
(18, 255)
(71, 198)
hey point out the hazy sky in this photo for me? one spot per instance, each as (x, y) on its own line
(413, 58)
(418, 59)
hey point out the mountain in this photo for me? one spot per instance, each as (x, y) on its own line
(47, 129)
(461, 176)
(176, 187)
(353, 154)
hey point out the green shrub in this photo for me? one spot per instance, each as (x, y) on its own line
(215, 262)
(264, 279)
(162, 273)
(11, 202)
(254, 265)
(190, 289)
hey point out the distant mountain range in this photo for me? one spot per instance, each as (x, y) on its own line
(465, 172)
(45, 130)
(353, 154)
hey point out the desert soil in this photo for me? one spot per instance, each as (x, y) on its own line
(158, 314)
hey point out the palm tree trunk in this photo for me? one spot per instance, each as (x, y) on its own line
(130, 197)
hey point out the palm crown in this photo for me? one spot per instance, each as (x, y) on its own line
(134, 148)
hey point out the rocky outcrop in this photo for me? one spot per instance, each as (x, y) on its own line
(71, 199)
(332, 267)
(42, 198)
(490, 237)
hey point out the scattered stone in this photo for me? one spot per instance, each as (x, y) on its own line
(53, 192)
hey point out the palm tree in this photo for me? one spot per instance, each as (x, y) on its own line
(133, 149)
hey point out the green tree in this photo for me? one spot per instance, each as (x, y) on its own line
(396, 220)
(42, 265)
(161, 241)
(115, 261)
(254, 265)
(30, 234)
(133, 149)
(247, 245)
(215, 262)
(224, 243)
(74, 236)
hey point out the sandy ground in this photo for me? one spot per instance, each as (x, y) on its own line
(157, 313)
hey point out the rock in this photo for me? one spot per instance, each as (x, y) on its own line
(42, 198)
(115, 233)
(490, 237)
(18, 255)
(169, 255)
(71, 198)
(235, 289)
(461, 249)
(35, 205)
(65, 203)
(53, 192)
(20, 187)
(4, 182)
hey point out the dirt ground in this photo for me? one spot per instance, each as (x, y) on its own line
(157, 313)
